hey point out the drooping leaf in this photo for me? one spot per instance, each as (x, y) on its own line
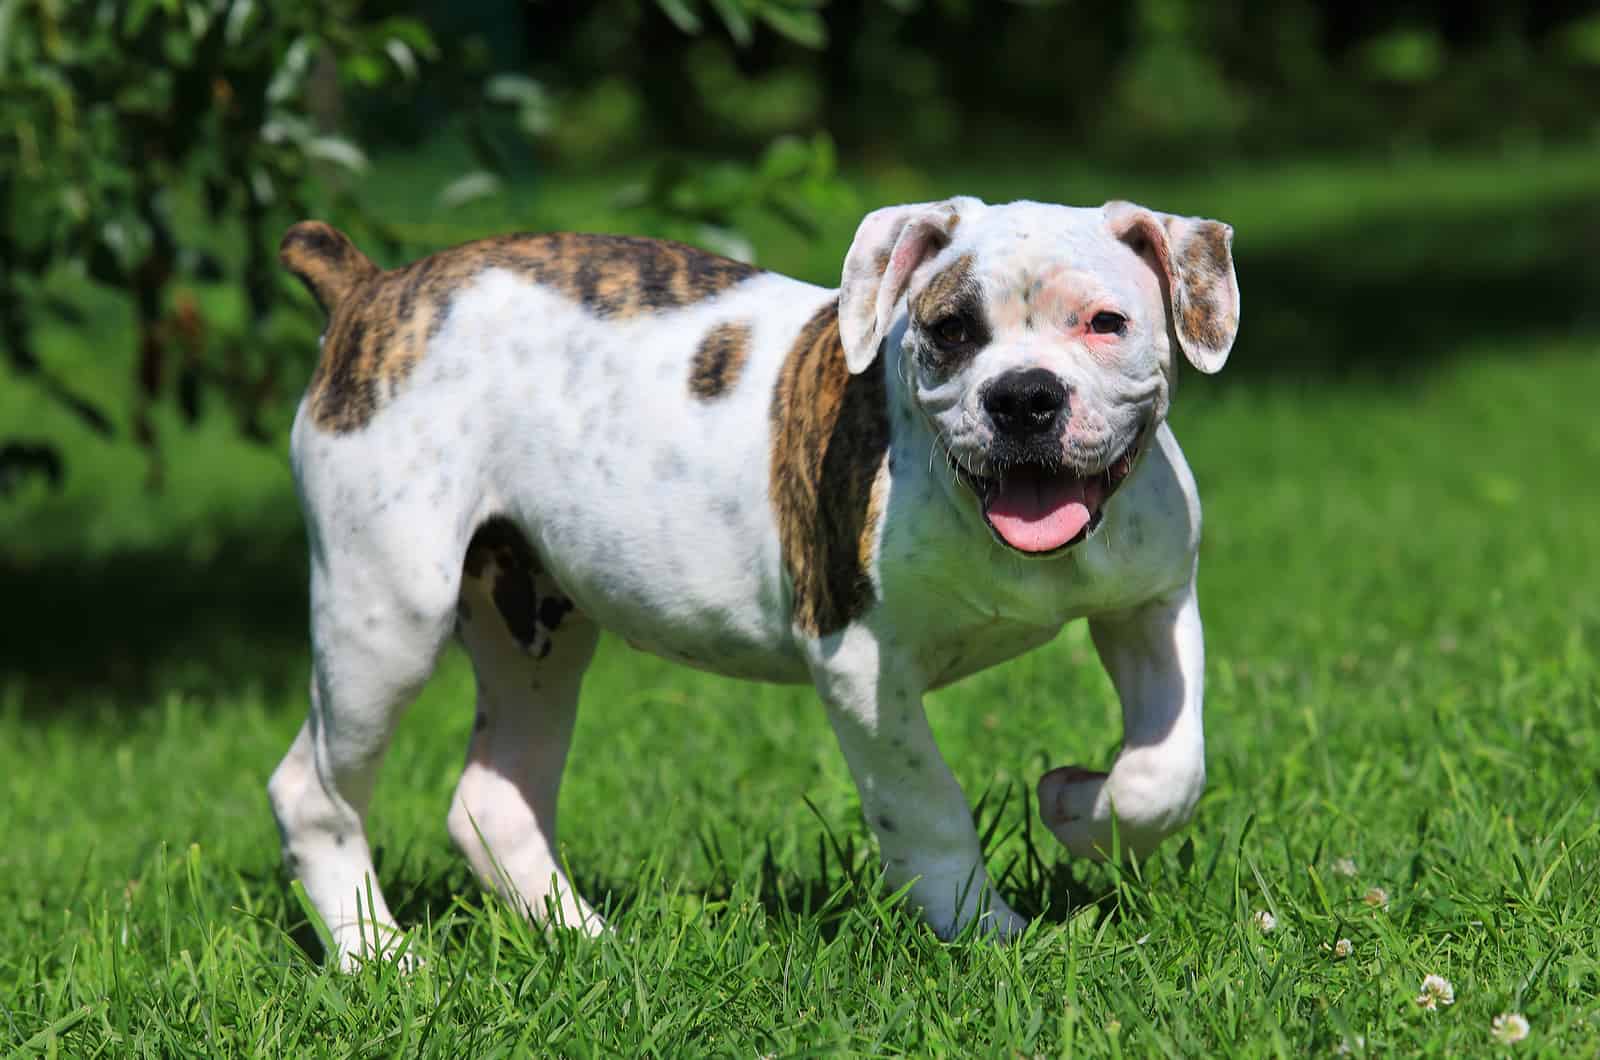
(682, 15)
(479, 184)
(800, 24)
(339, 151)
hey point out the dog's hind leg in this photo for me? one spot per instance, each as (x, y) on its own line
(380, 611)
(529, 649)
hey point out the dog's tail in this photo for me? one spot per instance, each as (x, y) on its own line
(325, 261)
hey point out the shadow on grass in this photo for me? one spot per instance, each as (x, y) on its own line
(1389, 298)
(124, 629)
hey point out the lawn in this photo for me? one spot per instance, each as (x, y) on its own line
(1399, 580)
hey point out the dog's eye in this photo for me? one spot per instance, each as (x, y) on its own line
(951, 331)
(1106, 322)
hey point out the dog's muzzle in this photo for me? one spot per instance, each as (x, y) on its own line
(1034, 499)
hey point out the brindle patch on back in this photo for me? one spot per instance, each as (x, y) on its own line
(719, 359)
(380, 322)
(830, 445)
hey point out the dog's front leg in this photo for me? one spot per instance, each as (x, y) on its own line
(911, 801)
(1155, 655)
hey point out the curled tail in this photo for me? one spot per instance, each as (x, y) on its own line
(325, 261)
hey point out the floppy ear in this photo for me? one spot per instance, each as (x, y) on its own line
(888, 247)
(1193, 257)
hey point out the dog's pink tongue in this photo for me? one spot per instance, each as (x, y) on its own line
(1038, 513)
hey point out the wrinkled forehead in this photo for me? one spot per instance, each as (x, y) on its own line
(1024, 249)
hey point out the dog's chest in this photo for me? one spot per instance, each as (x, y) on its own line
(969, 603)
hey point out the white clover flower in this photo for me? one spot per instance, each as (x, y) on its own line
(1342, 948)
(1509, 1028)
(1376, 897)
(1349, 1045)
(1436, 991)
(1345, 867)
(1265, 921)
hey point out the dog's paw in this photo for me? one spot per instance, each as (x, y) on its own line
(1002, 923)
(1074, 805)
(991, 920)
(1078, 806)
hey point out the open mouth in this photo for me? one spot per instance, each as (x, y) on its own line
(1038, 509)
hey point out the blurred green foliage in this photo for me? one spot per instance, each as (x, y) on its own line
(156, 143)
(156, 148)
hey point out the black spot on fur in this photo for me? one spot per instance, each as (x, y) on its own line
(499, 539)
(501, 547)
(552, 609)
(518, 604)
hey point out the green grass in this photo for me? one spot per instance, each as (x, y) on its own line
(1399, 580)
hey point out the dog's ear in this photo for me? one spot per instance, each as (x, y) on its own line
(888, 247)
(1193, 258)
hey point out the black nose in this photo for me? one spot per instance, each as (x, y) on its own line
(1026, 403)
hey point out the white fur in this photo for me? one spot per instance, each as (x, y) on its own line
(649, 508)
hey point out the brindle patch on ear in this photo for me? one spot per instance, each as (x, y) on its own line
(380, 322)
(830, 446)
(719, 359)
(1203, 264)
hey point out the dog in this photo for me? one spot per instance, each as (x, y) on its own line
(879, 489)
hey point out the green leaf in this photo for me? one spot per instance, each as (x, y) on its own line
(788, 157)
(413, 32)
(339, 151)
(285, 129)
(403, 57)
(735, 18)
(681, 14)
(479, 184)
(801, 26)
(366, 70)
(261, 186)
(515, 89)
(239, 16)
(291, 72)
(725, 241)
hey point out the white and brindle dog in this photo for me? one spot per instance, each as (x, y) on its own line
(879, 490)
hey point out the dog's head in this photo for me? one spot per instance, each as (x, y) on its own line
(1038, 342)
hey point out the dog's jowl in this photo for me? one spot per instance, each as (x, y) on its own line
(877, 489)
